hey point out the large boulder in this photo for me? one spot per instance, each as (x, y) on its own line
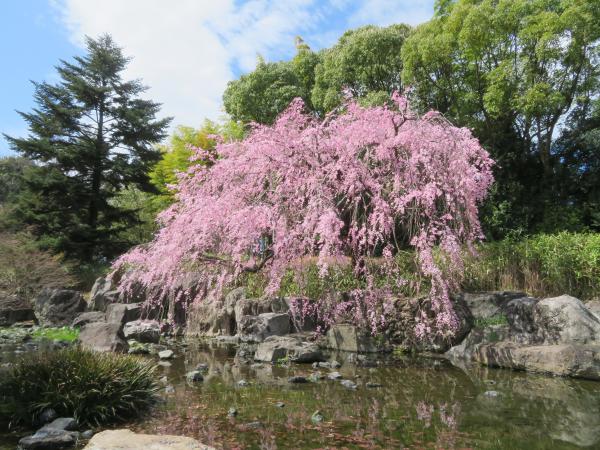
(128, 440)
(216, 317)
(294, 348)
(573, 360)
(348, 338)
(14, 309)
(103, 337)
(58, 307)
(419, 311)
(142, 331)
(123, 312)
(49, 439)
(88, 317)
(103, 293)
(487, 305)
(257, 328)
(565, 320)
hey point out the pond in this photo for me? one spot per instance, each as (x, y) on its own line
(420, 403)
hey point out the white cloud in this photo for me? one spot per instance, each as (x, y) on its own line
(186, 50)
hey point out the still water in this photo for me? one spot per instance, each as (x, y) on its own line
(420, 403)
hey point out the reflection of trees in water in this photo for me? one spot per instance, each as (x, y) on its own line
(423, 403)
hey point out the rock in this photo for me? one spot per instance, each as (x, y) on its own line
(242, 383)
(348, 338)
(593, 306)
(194, 376)
(275, 348)
(477, 337)
(122, 313)
(232, 412)
(573, 360)
(335, 365)
(334, 376)
(264, 325)
(62, 423)
(103, 337)
(143, 331)
(169, 389)
(253, 425)
(409, 312)
(88, 317)
(280, 404)
(372, 384)
(47, 416)
(49, 440)
(202, 367)
(317, 417)
(315, 376)
(14, 309)
(138, 348)
(348, 384)
(102, 294)
(166, 354)
(243, 306)
(565, 320)
(128, 440)
(214, 318)
(487, 305)
(58, 307)
(87, 434)
(297, 379)
(491, 394)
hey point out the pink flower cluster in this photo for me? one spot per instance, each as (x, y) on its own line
(356, 184)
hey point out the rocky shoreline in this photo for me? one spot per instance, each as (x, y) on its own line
(555, 336)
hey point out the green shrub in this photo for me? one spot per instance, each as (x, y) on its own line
(541, 265)
(66, 334)
(94, 388)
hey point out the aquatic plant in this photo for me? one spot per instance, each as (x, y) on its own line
(360, 182)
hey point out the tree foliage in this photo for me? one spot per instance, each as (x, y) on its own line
(357, 184)
(262, 94)
(90, 135)
(512, 70)
(366, 62)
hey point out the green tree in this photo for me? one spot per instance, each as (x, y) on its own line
(11, 177)
(262, 94)
(366, 61)
(512, 70)
(175, 156)
(90, 135)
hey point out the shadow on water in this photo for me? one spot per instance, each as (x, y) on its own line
(422, 403)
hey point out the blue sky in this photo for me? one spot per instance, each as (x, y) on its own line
(185, 50)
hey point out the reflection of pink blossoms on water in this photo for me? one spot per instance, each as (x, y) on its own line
(352, 184)
(424, 413)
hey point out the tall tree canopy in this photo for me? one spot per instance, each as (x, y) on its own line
(90, 135)
(512, 70)
(354, 184)
(366, 62)
(262, 94)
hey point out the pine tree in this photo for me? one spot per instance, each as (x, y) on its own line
(90, 135)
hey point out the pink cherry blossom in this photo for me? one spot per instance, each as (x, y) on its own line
(355, 184)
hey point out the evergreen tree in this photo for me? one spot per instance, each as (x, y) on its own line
(90, 135)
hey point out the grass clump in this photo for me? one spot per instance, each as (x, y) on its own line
(65, 334)
(542, 265)
(94, 388)
(498, 319)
